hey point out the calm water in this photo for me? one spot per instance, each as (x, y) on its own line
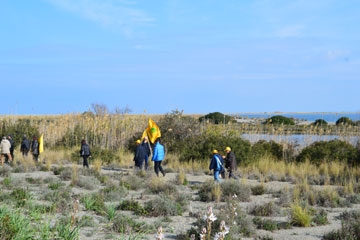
(302, 140)
(329, 117)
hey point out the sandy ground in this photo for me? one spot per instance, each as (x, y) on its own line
(180, 224)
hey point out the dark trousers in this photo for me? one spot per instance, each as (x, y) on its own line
(231, 174)
(139, 164)
(146, 162)
(25, 153)
(85, 163)
(36, 157)
(158, 167)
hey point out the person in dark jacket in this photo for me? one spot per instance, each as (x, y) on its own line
(85, 153)
(230, 162)
(140, 154)
(25, 146)
(147, 145)
(12, 146)
(158, 157)
(216, 164)
(35, 149)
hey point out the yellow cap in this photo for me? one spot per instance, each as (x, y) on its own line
(215, 151)
(138, 141)
(227, 149)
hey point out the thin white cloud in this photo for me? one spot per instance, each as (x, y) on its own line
(290, 31)
(120, 14)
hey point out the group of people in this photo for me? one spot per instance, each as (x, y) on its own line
(143, 151)
(7, 146)
(141, 158)
(217, 164)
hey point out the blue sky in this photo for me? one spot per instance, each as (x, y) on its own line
(59, 56)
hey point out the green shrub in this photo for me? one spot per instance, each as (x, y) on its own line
(216, 118)
(94, 202)
(232, 187)
(200, 147)
(258, 190)
(320, 122)
(280, 120)
(14, 225)
(157, 185)
(263, 147)
(334, 150)
(132, 205)
(20, 195)
(344, 121)
(163, 206)
(114, 193)
(67, 232)
(18, 128)
(126, 225)
(206, 193)
(265, 224)
(320, 218)
(266, 210)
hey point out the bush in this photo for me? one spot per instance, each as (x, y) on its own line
(216, 118)
(350, 227)
(300, 216)
(157, 185)
(266, 210)
(232, 187)
(344, 121)
(258, 190)
(89, 183)
(163, 206)
(132, 182)
(265, 224)
(18, 128)
(262, 148)
(334, 150)
(132, 205)
(114, 193)
(94, 202)
(320, 122)
(280, 120)
(14, 225)
(200, 147)
(209, 191)
(126, 225)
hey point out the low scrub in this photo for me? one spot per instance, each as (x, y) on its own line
(266, 210)
(163, 206)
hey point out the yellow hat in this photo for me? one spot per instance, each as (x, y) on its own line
(138, 141)
(215, 151)
(227, 149)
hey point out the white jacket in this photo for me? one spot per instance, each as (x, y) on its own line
(5, 146)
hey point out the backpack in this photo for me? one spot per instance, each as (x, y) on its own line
(85, 150)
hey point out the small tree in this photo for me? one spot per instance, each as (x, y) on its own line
(278, 119)
(344, 121)
(216, 117)
(320, 122)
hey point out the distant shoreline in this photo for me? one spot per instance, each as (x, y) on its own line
(289, 113)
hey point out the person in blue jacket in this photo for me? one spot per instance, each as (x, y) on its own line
(158, 156)
(216, 164)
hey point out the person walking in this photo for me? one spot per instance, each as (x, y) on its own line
(25, 146)
(140, 154)
(148, 149)
(216, 164)
(5, 150)
(85, 153)
(35, 149)
(230, 162)
(12, 146)
(158, 156)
